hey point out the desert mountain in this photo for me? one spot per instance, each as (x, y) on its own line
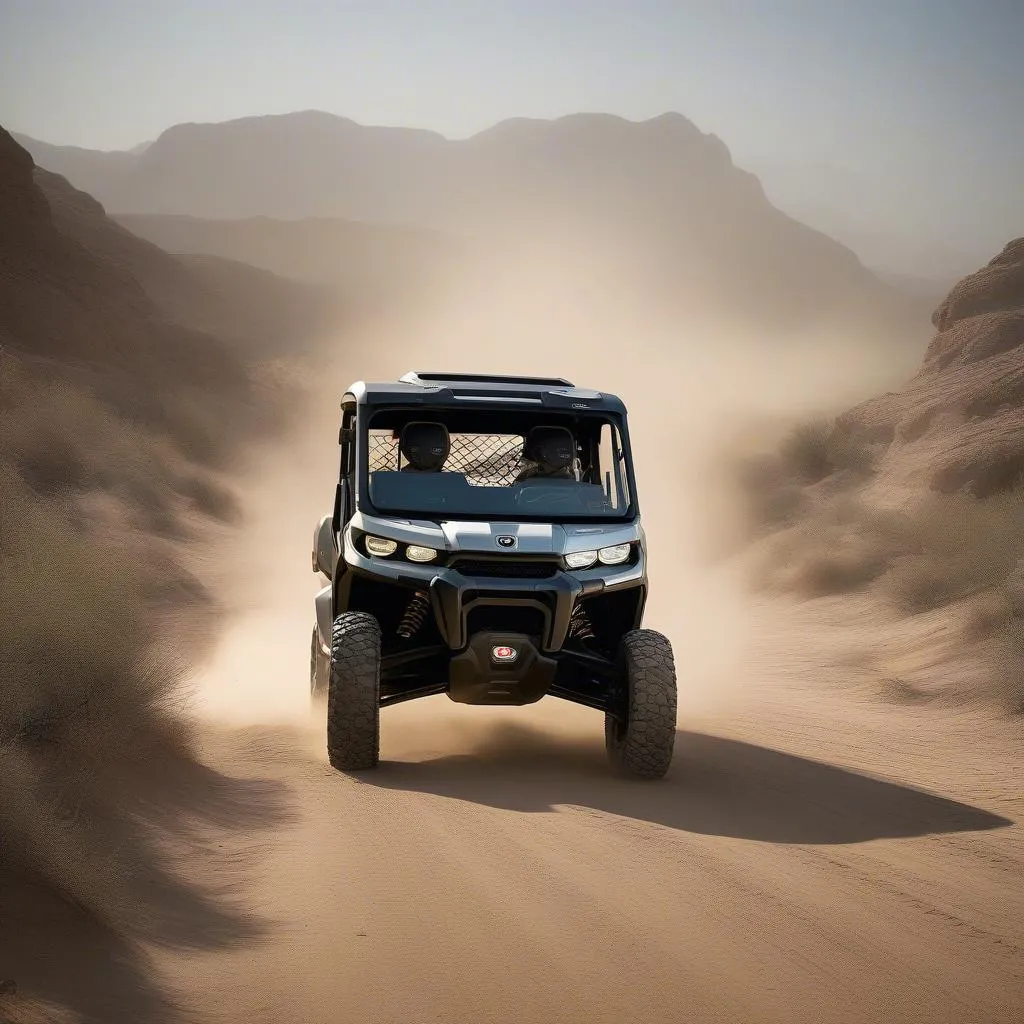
(70, 302)
(656, 204)
(959, 423)
(252, 308)
(360, 263)
(77, 285)
(91, 170)
(152, 337)
(132, 385)
(911, 504)
(891, 231)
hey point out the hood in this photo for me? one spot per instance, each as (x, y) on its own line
(483, 537)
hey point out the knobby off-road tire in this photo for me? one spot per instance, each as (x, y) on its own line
(319, 670)
(353, 695)
(642, 745)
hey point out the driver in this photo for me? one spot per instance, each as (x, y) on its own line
(425, 447)
(549, 453)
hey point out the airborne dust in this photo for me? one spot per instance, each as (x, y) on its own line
(696, 388)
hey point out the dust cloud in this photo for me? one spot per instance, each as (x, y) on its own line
(490, 830)
(692, 386)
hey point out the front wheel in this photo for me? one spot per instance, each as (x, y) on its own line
(353, 693)
(640, 738)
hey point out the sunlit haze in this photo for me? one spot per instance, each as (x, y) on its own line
(851, 113)
(332, 695)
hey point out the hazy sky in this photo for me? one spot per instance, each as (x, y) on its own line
(900, 89)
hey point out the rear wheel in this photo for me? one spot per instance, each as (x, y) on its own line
(353, 695)
(319, 670)
(641, 737)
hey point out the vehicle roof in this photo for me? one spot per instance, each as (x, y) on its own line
(457, 390)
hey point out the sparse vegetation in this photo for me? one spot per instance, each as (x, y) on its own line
(114, 421)
(942, 551)
(822, 504)
(774, 486)
(814, 450)
(88, 667)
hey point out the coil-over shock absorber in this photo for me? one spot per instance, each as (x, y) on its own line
(415, 615)
(579, 624)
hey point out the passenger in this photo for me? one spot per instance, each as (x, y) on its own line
(549, 454)
(425, 447)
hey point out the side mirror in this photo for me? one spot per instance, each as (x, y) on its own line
(325, 547)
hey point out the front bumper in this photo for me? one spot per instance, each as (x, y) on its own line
(477, 678)
(455, 593)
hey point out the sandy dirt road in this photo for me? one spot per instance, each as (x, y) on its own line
(809, 858)
(813, 856)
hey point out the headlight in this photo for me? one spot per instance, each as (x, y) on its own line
(416, 553)
(380, 546)
(616, 554)
(581, 559)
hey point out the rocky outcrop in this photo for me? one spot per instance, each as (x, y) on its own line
(76, 287)
(22, 209)
(996, 288)
(249, 308)
(959, 423)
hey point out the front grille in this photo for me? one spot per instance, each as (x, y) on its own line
(506, 568)
(506, 618)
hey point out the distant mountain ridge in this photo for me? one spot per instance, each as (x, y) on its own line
(928, 234)
(315, 164)
(656, 203)
(359, 262)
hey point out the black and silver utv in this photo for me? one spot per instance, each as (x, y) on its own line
(486, 544)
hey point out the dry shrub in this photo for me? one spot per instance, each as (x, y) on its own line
(804, 451)
(771, 500)
(830, 551)
(209, 496)
(994, 624)
(922, 582)
(819, 568)
(941, 551)
(814, 450)
(955, 546)
(773, 486)
(89, 683)
(99, 622)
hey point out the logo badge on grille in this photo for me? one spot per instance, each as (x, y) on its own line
(504, 654)
(506, 540)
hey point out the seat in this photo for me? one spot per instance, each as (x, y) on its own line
(425, 446)
(549, 453)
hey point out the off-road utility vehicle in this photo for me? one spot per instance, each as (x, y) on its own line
(486, 543)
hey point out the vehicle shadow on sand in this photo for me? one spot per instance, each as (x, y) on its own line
(716, 786)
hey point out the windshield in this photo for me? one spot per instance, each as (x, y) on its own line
(497, 465)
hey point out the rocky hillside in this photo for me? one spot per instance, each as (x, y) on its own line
(912, 503)
(959, 423)
(93, 171)
(122, 415)
(250, 308)
(656, 207)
